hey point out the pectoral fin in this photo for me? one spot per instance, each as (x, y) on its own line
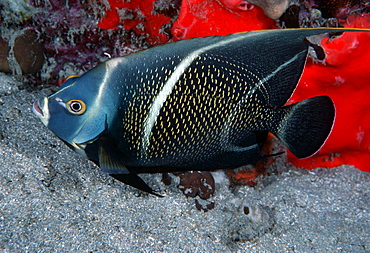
(111, 162)
(110, 158)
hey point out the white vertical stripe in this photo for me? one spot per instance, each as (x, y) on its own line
(267, 78)
(110, 66)
(169, 86)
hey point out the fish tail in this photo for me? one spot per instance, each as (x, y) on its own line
(306, 125)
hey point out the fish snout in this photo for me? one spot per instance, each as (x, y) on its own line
(36, 109)
(40, 108)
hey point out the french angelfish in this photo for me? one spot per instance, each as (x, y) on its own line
(198, 104)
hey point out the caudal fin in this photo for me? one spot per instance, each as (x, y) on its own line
(306, 125)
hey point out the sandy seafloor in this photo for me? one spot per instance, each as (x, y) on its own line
(53, 200)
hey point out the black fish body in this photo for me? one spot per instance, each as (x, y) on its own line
(205, 103)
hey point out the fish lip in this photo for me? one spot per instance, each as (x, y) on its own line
(41, 109)
(36, 109)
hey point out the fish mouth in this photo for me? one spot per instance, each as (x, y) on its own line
(40, 108)
(37, 110)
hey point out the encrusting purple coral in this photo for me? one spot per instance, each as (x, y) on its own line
(339, 8)
(73, 40)
(71, 36)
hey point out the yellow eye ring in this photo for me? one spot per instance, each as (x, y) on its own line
(76, 106)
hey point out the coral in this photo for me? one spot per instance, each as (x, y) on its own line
(245, 175)
(272, 8)
(20, 49)
(252, 174)
(143, 17)
(290, 19)
(73, 36)
(328, 13)
(68, 34)
(200, 18)
(196, 183)
(338, 8)
(14, 12)
(199, 185)
(72, 40)
(344, 77)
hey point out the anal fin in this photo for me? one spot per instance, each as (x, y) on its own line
(111, 162)
(136, 182)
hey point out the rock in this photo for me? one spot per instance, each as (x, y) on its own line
(28, 52)
(272, 8)
(4, 51)
(22, 54)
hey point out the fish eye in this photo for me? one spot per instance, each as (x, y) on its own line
(76, 106)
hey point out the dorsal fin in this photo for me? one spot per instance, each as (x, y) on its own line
(273, 59)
